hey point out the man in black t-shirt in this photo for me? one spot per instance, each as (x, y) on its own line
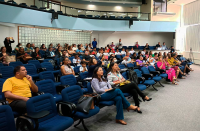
(86, 57)
(158, 45)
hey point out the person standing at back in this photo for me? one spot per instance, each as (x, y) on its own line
(7, 44)
(94, 43)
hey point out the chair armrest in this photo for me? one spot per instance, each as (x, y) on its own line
(60, 88)
(66, 108)
(4, 102)
(80, 84)
(155, 73)
(141, 79)
(41, 70)
(37, 115)
(161, 70)
(1, 76)
(37, 93)
(146, 76)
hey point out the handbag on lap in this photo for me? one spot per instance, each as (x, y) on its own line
(11, 58)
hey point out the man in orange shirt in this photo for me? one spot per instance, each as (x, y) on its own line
(17, 89)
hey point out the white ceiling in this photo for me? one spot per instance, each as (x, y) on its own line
(180, 2)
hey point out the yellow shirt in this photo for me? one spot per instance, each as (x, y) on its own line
(171, 61)
(18, 87)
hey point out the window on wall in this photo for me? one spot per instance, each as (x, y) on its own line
(40, 36)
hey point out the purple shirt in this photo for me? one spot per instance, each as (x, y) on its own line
(139, 62)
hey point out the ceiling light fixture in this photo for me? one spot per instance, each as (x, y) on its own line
(118, 7)
(91, 6)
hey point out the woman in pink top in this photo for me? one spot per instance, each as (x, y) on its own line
(170, 71)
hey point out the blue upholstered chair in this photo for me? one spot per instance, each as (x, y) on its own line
(48, 75)
(49, 67)
(7, 122)
(47, 86)
(15, 64)
(101, 103)
(31, 70)
(149, 76)
(72, 94)
(36, 63)
(153, 70)
(70, 80)
(142, 80)
(119, 57)
(7, 71)
(121, 66)
(51, 122)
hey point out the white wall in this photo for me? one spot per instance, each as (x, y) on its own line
(129, 38)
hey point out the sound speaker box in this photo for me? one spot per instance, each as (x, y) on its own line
(54, 15)
(130, 23)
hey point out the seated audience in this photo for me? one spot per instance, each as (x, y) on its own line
(147, 54)
(112, 45)
(102, 87)
(58, 45)
(59, 52)
(158, 45)
(17, 47)
(143, 52)
(137, 45)
(66, 46)
(146, 46)
(28, 48)
(94, 51)
(159, 54)
(74, 47)
(112, 52)
(17, 89)
(50, 52)
(164, 54)
(123, 52)
(86, 57)
(90, 46)
(151, 60)
(115, 78)
(82, 47)
(76, 60)
(51, 45)
(70, 50)
(134, 57)
(139, 62)
(83, 67)
(43, 47)
(33, 47)
(36, 55)
(151, 53)
(117, 52)
(126, 59)
(64, 55)
(172, 49)
(66, 69)
(100, 53)
(156, 56)
(106, 54)
(93, 63)
(164, 47)
(23, 56)
(131, 51)
(79, 51)
(3, 55)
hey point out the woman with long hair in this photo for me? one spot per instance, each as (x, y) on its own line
(43, 47)
(23, 56)
(93, 63)
(162, 64)
(3, 55)
(102, 87)
(66, 69)
(115, 78)
(70, 50)
(36, 54)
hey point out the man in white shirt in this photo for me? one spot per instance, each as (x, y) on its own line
(143, 52)
(126, 59)
(117, 52)
(83, 67)
(77, 60)
(99, 54)
(123, 52)
(131, 51)
(120, 44)
(74, 47)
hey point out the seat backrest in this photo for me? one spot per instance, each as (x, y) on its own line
(46, 60)
(31, 69)
(1, 64)
(125, 75)
(121, 66)
(7, 122)
(72, 94)
(35, 62)
(46, 86)
(15, 64)
(89, 87)
(130, 65)
(156, 66)
(151, 68)
(7, 71)
(145, 70)
(42, 103)
(47, 75)
(118, 56)
(48, 66)
(76, 69)
(2, 97)
(138, 72)
(68, 80)
(83, 75)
